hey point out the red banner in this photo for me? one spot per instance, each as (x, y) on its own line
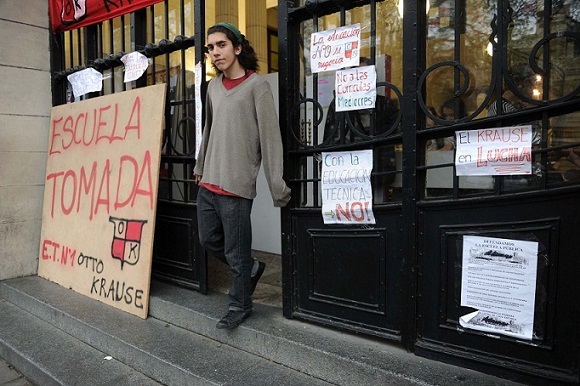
(71, 14)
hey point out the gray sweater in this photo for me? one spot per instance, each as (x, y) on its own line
(241, 130)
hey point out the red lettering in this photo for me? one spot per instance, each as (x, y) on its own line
(105, 179)
(49, 254)
(124, 159)
(340, 210)
(355, 211)
(69, 174)
(360, 211)
(75, 130)
(102, 123)
(53, 176)
(480, 162)
(135, 112)
(85, 141)
(66, 254)
(70, 188)
(148, 192)
(53, 136)
(87, 186)
(68, 129)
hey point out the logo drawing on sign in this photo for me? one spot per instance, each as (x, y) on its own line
(126, 240)
(351, 50)
(73, 11)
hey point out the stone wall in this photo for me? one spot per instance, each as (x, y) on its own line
(25, 103)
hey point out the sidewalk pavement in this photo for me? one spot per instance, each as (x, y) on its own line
(10, 377)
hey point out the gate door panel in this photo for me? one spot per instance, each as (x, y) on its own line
(448, 70)
(342, 275)
(487, 303)
(552, 351)
(349, 274)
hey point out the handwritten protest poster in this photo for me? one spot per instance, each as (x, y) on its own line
(499, 280)
(347, 195)
(100, 196)
(85, 81)
(334, 49)
(497, 151)
(356, 88)
(135, 66)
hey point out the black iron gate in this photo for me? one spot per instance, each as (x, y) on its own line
(441, 65)
(445, 66)
(172, 35)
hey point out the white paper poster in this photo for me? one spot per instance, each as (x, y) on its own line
(347, 195)
(356, 88)
(85, 81)
(198, 109)
(135, 65)
(499, 280)
(496, 151)
(334, 49)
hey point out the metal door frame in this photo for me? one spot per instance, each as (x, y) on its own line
(183, 263)
(393, 327)
(424, 327)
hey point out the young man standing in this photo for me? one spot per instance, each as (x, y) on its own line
(241, 131)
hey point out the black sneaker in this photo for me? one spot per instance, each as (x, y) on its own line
(257, 276)
(233, 319)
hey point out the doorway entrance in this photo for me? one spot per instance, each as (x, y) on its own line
(443, 68)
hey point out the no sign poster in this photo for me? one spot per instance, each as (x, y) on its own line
(100, 196)
(347, 195)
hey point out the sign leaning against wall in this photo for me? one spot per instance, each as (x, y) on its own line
(100, 196)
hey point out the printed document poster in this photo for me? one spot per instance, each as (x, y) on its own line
(347, 195)
(499, 280)
(496, 151)
(356, 88)
(334, 49)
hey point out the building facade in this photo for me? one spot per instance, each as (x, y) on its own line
(444, 269)
(25, 102)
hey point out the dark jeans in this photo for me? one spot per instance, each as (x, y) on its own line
(225, 230)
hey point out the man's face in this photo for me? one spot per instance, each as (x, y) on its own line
(222, 52)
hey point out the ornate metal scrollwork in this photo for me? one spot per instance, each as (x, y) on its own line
(386, 120)
(302, 138)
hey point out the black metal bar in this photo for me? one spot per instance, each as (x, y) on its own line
(112, 49)
(139, 37)
(287, 92)
(413, 44)
(57, 63)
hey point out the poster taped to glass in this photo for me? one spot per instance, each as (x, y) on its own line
(499, 280)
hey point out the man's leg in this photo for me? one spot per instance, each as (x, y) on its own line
(235, 214)
(209, 223)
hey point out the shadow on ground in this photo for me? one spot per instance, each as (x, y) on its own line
(269, 289)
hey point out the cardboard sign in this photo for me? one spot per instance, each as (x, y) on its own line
(100, 196)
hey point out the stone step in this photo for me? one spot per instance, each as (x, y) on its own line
(338, 357)
(179, 345)
(55, 336)
(49, 356)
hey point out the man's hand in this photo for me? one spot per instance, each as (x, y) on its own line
(197, 178)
